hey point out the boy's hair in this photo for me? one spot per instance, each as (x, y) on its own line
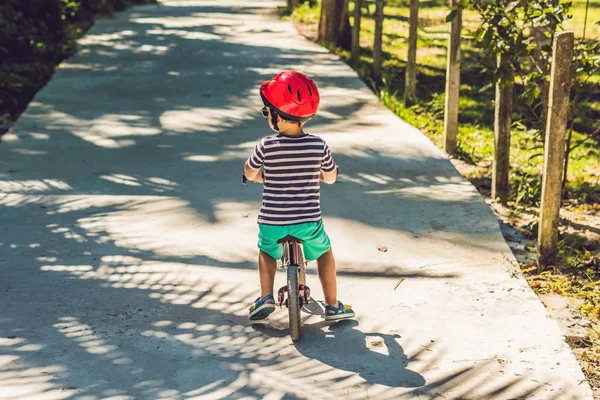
(274, 116)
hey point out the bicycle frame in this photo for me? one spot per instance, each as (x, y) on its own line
(296, 291)
(294, 255)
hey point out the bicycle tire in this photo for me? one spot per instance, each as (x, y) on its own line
(293, 302)
(301, 268)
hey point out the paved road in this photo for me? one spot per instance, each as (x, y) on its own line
(128, 246)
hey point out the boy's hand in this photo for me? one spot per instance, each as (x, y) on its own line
(328, 177)
(258, 179)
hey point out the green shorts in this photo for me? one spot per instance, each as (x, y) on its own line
(316, 241)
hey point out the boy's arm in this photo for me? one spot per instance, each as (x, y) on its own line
(329, 170)
(253, 166)
(254, 175)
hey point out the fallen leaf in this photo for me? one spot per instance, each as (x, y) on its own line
(377, 344)
(245, 215)
(383, 249)
(398, 282)
(65, 388)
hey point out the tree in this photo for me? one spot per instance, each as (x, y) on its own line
(504, 37)
(411, 60)
(503, 113)
(356, 32)
(452, 78)
(377, 50)
(334, 25)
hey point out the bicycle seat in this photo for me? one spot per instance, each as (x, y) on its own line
(289, 238)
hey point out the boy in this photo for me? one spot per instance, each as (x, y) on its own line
(294, 163)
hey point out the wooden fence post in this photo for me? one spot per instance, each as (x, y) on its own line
(502, 127)
(355, 58)
(554, 158)
(452, 81)
(377, 50)
(411, 59)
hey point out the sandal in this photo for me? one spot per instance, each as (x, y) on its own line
(339, 313)
(261, 309)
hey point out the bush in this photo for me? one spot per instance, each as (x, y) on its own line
(35, 36)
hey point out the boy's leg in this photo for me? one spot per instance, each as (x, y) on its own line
(318, 246)
(265, 304)
(270, 251)
(334, 310)
(267, 267)
(327, 276)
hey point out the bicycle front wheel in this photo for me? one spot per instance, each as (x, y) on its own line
(293, 302)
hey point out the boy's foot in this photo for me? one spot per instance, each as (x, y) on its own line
(338, 313)
(262, 308)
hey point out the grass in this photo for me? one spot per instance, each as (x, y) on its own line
(477, 95)
(578, 271)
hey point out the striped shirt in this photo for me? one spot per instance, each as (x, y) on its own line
(292, 166)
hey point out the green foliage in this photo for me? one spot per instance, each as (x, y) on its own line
(36, 35)
(307, 12)
(521, 32)
(527, 186)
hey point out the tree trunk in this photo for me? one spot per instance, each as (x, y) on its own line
(452, 82)
(502, 128)
(377, 50)
(411, 60)
(566, 167)
(356, 32)
(541, 40)
(334, 25)
(344, 36)
(543, 36)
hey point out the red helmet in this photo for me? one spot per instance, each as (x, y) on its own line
(292, 95)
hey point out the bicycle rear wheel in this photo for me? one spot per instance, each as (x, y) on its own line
(293, 302)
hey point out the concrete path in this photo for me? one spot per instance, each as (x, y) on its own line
(128, 245)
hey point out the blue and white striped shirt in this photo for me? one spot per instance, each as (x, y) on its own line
(292, 166)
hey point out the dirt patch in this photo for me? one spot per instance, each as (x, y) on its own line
(578, 331)
(558, 289)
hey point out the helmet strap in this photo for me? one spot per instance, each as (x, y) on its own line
(274, 120)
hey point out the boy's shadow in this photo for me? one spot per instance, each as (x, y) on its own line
(344, 347)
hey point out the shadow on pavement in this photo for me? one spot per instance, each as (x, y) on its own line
(109, 267)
